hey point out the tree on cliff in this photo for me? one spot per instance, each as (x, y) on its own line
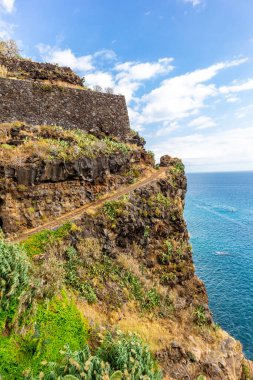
(9, 49)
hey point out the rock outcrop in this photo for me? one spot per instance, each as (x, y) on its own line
(37, 186)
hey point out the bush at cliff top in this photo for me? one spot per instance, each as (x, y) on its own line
(14, 279)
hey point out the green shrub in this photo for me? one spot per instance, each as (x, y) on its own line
(55, 143)
(128, 354)
(146, 231)
(245, 372)
(151, 300)
(72, 264)
(177, 168)
(14, 279)
(48, 276)
(200, 316)
(120, 357)
(113, 209)
(113, 146)
(9, 367)
(55, 324)
(37, 243)
(163, 200)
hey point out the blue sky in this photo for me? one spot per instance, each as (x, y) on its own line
(185, 67)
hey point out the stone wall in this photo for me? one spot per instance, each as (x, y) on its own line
(38, 103)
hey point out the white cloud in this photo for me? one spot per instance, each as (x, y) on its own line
(6, 30)
(167, 128)
(194, 2)
(127, 88)
(223, 150)
(243, 112)
(7, 5)
(106, 54)
(202, 122)
(66, 57)
(142, 71)
(245, 86)
(130, 75)
(232, 99)
(183, 95)
(99, 78)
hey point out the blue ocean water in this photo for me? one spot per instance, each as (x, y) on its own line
(219, 214)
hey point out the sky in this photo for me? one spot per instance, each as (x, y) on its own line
(184, 66)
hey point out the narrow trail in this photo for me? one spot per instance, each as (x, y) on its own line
(92, 206)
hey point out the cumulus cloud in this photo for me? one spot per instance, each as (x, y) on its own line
(202, 122)
(167, 128)
(245, 86)
(243, 112)
(6, 30)
(65, 57)
(183, 95)
(135, 71)
(129, 76)
(106, 54)
(7, 5)
(223, 150)
(194, 2)
(100, 78)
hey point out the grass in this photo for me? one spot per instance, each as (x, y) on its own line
(114, 209)
(51, 143)
(119, 357)
(177, 168)
(56, 323)
(37, 243)
(200, 316)
(110, 280)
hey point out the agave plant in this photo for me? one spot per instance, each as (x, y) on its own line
(120, 357)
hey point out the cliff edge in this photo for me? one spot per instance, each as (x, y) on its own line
(111, 291)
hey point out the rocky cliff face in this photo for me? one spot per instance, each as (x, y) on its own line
(146, 281)
(130, 266)
(37, 187)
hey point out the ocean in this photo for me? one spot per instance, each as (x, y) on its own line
(219, 215)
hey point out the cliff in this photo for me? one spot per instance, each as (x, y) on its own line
(111, 292)
(47, 171)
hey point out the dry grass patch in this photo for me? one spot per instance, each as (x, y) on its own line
(3, 71)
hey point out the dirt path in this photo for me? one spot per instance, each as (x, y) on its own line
(93, 206)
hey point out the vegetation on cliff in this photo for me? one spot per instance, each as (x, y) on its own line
(84, 301)
(49, 143)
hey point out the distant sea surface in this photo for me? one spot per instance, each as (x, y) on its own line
(219, 214)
